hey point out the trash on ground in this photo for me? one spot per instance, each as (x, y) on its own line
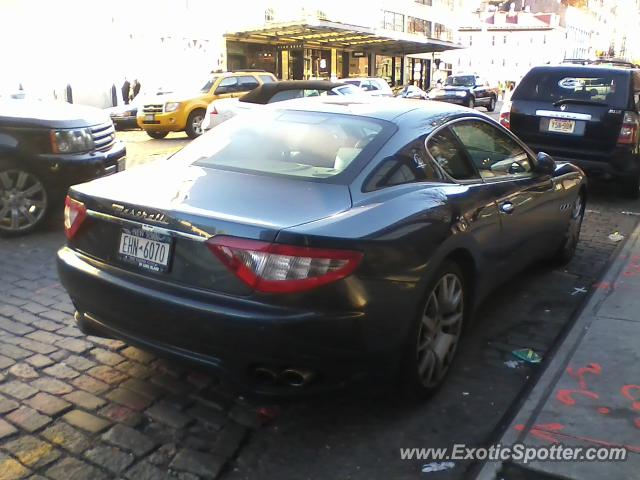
(616, 237)
(591, 211)
(465, 393)
(527, 355)
(512, 363)
(577, 290)
(437, 467)
(635, 214)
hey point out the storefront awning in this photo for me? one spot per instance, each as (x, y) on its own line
(326, 34)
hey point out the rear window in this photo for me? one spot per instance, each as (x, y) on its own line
(308, 145)
(606, 87)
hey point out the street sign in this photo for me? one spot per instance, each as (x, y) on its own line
(358, 54)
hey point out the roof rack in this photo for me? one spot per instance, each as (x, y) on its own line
(614, 62)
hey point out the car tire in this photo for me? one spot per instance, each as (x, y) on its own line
(24, 200)
(492, 104)
(435, 333)
(570, 241)
(157, 135)
(471, 103)
(194, 123)
(631, 187)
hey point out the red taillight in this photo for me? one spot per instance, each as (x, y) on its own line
(505, 119)
(505, 115)
(277, 268)
(629, 130)
(74, 214)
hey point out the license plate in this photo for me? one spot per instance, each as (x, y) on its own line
(561, 125)
(149, 118)
(148, 250)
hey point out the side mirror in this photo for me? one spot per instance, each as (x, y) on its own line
(545, 164)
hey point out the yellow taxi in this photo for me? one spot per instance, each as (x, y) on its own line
(176, 113)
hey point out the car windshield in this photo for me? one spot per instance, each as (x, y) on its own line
(608, 88)
(207, 86)
(461, 81)
(285, 143)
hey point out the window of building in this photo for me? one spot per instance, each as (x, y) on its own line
(393, 21)
(493, 40)
(419, 26)
(470, 40)
(268, 15)
(425, 2)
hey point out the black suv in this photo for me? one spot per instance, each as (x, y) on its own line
(45, 147)
(584, 114)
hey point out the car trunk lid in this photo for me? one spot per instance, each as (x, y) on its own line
(182, 206)
(565, 127)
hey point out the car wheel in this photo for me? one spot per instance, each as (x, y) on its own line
(434, 338)
(194, 123)
(24, 201)
(471, 103)
(631, 187)
(157, 135)
(572, 235)
(492, 105)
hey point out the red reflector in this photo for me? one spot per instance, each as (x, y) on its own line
(277, 268)
(505, 119)
(74, 214)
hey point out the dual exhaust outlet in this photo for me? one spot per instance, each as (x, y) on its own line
(292, 377)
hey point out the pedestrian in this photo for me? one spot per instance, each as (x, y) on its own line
(135, 88)
(126, 87)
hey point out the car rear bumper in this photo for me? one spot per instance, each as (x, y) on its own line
(233, 336)
(618, 163)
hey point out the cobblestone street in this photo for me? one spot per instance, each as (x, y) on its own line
(74, 407)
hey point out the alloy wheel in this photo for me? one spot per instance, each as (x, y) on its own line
(440, 329)
(23, 201)
(197, 124)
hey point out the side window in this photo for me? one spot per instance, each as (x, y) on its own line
(409, 165)
(266, 78)
(285, 95)
(247, 83)
(449, 155)
(493, 152)
(227, 85)
(373, 85)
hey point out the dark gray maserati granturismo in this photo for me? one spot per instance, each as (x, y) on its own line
(317, 241)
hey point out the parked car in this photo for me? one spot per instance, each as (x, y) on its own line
(376, 87)
(318, 241)
(588, 115)
(45, 147)
(221, 110)
(185, 112)
(124, 116)
(411, 91)
(469, 90)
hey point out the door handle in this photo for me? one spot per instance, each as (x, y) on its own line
(507, 207)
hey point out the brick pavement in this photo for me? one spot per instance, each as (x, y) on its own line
(77, 407)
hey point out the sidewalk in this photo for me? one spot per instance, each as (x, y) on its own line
(589, 395)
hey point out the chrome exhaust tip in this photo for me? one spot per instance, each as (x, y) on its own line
(297, 378)
(264, 375)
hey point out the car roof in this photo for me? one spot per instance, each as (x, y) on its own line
(583, 69)
(263, 93)
(360, 79)
(389, 109)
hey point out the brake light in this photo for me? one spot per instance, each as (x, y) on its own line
(277, 268)
(74, 214)
(629, 130)
(505, 115)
